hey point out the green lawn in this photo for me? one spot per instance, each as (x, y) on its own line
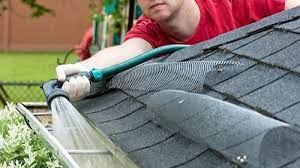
(16, 67)
(28, 67)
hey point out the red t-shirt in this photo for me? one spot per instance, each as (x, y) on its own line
(217, 17)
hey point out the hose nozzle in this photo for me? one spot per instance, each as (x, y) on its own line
(52, 89)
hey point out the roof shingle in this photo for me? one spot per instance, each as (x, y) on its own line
(263, 123)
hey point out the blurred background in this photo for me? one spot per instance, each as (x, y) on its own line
(36, 36)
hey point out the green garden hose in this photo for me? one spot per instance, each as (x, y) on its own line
(52, 88)
(99, 74)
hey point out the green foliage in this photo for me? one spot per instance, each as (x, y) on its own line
(2, 7)
(37, 9)
(95, 7)
(120, 7)
(19, 146)
(114, 8)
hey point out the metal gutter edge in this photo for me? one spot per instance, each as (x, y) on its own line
(47, 137)
(42, 104)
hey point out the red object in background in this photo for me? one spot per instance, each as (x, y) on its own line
(83, 48)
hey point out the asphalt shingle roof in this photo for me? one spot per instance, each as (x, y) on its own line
(251, 111)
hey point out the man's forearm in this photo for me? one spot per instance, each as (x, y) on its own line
(291, 4)
(117, 54)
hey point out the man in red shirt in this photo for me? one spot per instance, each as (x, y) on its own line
(172, 22)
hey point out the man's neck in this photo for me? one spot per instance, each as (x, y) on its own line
(184, 23)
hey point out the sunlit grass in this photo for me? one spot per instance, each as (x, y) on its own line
(28, 67)
(17, 66)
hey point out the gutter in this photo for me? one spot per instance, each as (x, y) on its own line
(57, 149)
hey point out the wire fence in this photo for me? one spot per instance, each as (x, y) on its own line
(20, 92)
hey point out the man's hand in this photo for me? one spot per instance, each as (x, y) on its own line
(76, 87)
(62, 71)
(79, 87)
